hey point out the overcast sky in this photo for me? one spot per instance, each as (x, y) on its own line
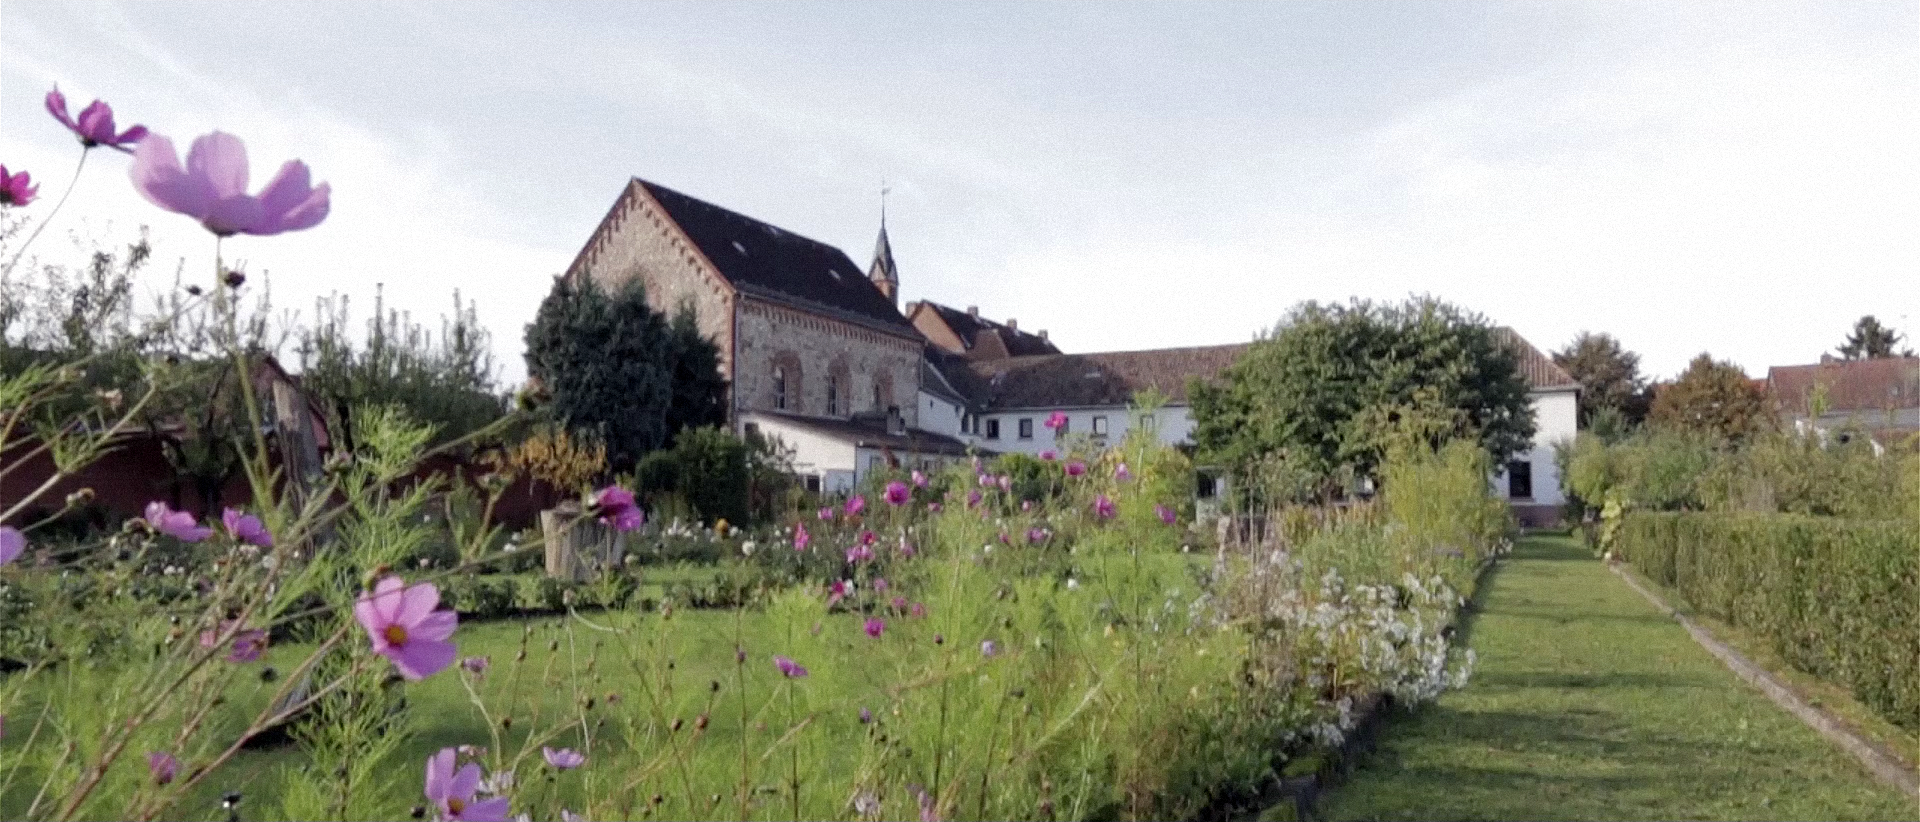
(1740, 177)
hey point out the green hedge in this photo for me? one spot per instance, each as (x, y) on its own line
(1839, 599)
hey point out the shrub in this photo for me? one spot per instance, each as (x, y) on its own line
(1838, 599)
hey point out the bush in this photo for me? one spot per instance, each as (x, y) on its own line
(707, 468)
(1838, 599)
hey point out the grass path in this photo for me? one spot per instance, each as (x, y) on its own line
(1589, 704)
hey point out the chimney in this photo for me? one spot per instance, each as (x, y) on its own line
(1013, 324)
(1826, 358)
(973, 311)
(1043, 335)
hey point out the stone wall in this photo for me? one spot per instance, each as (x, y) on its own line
(770, 333)
(636, 240)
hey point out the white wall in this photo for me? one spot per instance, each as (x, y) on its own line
(1556, 420)
(939, 415)
(1172, 423)
(814, 453)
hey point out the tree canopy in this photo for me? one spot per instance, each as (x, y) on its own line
(1715, 398)
(1869, 340)
(1609, 377)
(1333, 387)
(611, 365)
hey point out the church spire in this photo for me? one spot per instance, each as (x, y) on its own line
(884, 274)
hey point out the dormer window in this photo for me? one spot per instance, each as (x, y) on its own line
(779, 388)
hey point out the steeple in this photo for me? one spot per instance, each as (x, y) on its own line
(884, 274)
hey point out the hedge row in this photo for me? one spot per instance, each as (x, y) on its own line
(1839, 599)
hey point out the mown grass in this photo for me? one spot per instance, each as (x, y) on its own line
(1589, 704)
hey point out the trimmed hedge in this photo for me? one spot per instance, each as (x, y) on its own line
(1839, 599)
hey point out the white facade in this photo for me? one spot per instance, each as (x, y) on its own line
(941, 415)
(815, 454)
(1556, 420)
(1173, 424)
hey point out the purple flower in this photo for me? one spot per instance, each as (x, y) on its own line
(866, 716)
(800, 536)
(1103, 506)
(856, 504)
(452, 792)
(16, 189)
(918, 610)
(213, 187)
(839, 590)
(933, 507)
(899, 603)
(973, 498)
(879, 585)
(1076, 468)
(565, 759)
(868, 538)
(1006, 482)
(919, 480)
(984, 480)
(1121, 473)
(858, 554)
(1036, 535)
(826, 514)
(617, 510)
(12, 543)
(1166, 514)
(1026, 505)
(177, 524)
(406, 628)
(95, 126)
(476, 665)
(989, 649)
(875, 627)
(906, 548)
(246, 528)
(247, 644)
(788, 667)
(163, 767)
(1056, 421)
(1049, 455)
(898, 493)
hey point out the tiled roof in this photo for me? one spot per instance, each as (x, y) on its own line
(779, 265)
(1539, 369)
(1107, 378)
(1852, 385)
(970, 326)
(864, 435)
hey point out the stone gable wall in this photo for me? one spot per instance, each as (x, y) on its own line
(772, 333)
(636, 240)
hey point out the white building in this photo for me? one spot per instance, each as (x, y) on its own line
(1531, 481)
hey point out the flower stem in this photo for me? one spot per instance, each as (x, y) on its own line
(49, 218)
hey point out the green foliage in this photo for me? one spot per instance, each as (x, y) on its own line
(1869, 340)
(708, 468)
(445, 381)
(1609, 377)
(1714, 398)
(1667, 470)
(611, 364)
(1443, 501)
(1838, 599)
(1331, 384)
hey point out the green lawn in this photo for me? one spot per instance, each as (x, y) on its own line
(1589, 704)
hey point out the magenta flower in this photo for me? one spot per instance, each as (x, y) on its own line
(826, 514)
(859, 553)
(16, 189)
(989, 649)
(1036, 535)
(617, 510)
(919, 480)
(973, 498)
(868, 538)
(1121, 473)
(857, 504)
(247, 644)
(898, 493)
(452, 792)
(918, 610)
(984, 480)
(95, 126)
(933, 507)
(839, 590)
(1076, 468)
(1049, 455)
(1166, 514)
(246, 528)
(875, 627)
(213, 187)
(12, 543)
(1103, 506)
(163, 767)
(1006, 482)
(1056, 421)
(788, 667)
(406, 628)
(565, 759)
(800, 536)
(879, 585)
(476, 665)
(177, 524)
(899, 603)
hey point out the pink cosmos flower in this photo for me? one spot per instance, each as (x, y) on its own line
(906, 548)
(452, 792)
(406, 628)
(866, 715)
(1166, 514)
(898, 493)
(919, 480)
(875, 627)
(879, 585)
(1006, 482)
(617, 509)
(788, 667)
(868, 538)
(1103, 506)
(1121, 473)
(16, 189)
(247, 644)
(1056, 421)
(839, 590)
(95, 126)
(12, 543)
(1049, 455)
(1036, 535)
(973, 498)
(801, 537)
(989, 649)
(826, 514)
(476, 665)
(899, 603)
(213, 187)
(984, 480)
(246, 528)
(1026, 505)
(565, 759)
(859, 553)
(163, 767)
(177, 524)
(1076, 468)
(933, 507)
(856, 504)
(918, 610)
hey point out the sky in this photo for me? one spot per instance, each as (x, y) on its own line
(1740, 178)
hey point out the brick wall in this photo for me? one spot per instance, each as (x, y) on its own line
(772, 333)
(637, 240)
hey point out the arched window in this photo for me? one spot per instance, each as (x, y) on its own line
(876, 396)
(833, 393)
(779, 388)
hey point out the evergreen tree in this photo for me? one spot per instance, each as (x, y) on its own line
(1870, 340)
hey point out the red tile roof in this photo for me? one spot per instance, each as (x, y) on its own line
(1105, 378)
(1852, 385)
(1539, 369)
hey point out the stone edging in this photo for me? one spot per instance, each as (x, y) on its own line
(1883, 765)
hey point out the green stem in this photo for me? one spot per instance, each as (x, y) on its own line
(49, 218)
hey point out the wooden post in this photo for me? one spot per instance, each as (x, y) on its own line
(578, 549)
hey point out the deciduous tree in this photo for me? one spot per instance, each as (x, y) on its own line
(1715, 398)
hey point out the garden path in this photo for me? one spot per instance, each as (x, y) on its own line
(1588, 703)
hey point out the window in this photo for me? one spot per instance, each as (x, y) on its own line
(873, 463)
(813, 483)
(1149, 423)
(1026, 428)
(1099, 426)
(1520, 479)
(993, 429)
(779, 387)
(833, 393)
(876, 395)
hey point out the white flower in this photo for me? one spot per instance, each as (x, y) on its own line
(1073, 584)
